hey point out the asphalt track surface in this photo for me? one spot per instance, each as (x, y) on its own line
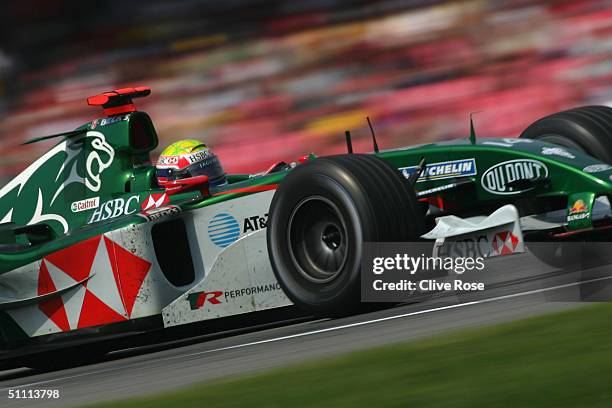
(516, 289)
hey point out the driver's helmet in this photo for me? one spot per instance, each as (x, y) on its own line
(188, 159)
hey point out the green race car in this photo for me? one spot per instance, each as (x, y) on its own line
(91, 246)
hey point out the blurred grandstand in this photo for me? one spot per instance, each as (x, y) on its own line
(268, 80)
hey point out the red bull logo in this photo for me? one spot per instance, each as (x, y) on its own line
(578, 207)
(578, 211)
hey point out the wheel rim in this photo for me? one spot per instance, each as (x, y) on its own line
(317, 239)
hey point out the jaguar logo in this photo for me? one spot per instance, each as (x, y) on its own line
(96, 164)
(32, 196)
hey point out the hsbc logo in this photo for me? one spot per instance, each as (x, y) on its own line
(197, 300)
(115, 208)
(197, 156)
(155, 201)
(485, 244)
(505, 243)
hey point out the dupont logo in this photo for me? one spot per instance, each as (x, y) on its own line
(498, 179)
(87, 204)
(443, 170)
(223, 230)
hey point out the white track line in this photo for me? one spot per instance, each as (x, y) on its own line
(329, 329)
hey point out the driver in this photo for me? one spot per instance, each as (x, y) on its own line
(181, 165)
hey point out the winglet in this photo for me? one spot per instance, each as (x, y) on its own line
(472, 131)
(71, 133)
(118, 101)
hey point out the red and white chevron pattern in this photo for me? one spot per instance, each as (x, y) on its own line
(111, 276)
(505, 242)
(155, 201)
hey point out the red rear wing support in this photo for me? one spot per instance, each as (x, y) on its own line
(118, 101)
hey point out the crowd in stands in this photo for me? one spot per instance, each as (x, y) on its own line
(262, 81)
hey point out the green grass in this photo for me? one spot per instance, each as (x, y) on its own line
(560, 360)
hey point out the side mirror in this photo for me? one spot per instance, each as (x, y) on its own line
(187, 184)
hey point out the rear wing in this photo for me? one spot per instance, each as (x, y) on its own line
(118, 101)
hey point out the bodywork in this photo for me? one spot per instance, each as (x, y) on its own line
(88, 240)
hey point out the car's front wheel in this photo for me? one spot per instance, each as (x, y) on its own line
(320, 216)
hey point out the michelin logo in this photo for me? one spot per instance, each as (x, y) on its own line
(443, 170)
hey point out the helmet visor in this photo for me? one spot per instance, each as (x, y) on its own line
(209, 166)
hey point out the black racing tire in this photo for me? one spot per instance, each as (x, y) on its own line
(319, 217)
(587, 129)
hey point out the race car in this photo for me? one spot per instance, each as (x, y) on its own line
(91, 245)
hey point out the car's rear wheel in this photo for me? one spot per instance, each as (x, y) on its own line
(587, 129)
(319, 217)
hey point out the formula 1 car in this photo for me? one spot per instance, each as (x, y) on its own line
(91, 246)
